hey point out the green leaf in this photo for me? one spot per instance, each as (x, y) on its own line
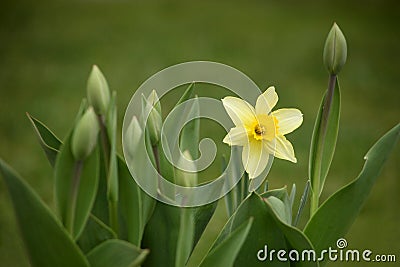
(47, 139)
(116, 253)
(292, 195)
(185, 236)
(130, 206)
(236, 195)
(267, 230)
(190, 135)
(202, 216)
(100, 207)
(137, 158)
(75, 187)
(112, 168)
(187, 94)
(295, 239)
(281, 203)
(225, 253)
(161, 235)
(323, 152)
(264, 231)
(303, 201)
(111, 124)
(95, 232)
(43, 235)
(335, 216)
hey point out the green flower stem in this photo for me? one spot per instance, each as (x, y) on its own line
(105, 144)
(157, 158)
(321, 143)
(70, 216)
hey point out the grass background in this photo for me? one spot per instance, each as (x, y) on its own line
(47, 49)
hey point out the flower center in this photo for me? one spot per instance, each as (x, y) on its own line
(265, 127)
(259, 130)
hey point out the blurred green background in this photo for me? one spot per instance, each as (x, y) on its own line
(47, 49)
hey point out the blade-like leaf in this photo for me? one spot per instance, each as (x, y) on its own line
(225, 253)
(95, 232)
(47, 139)
(267, 230)
(292, 195)
(111, 123)
(100, 207)
(264, 231)
(322, 149)
(283, 205)
(161, 235)
(75, 189)
(130, 206)
(303, 201)
(237, 194)
(295, 239)
(43, 235)
(335, 216)
(190, 135)
(116, 253)
(203, 215)
(185, 236)
(112, 175)
(187, 94)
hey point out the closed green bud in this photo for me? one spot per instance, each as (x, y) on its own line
(184, 178)
(132, 137)
(154, 121)
(98, 92)
(335, 50)
(154, 101)
(84, 137)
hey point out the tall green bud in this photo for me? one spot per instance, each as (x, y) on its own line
(335, 50)
(84, 137)
(98, 92)
(154, 121)
(132, 136)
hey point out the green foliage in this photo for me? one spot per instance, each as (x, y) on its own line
(47, 139)
(116, 253)
(104, 214)
(43, 234)
(75, 187)
(323, 148)
(225, 253)
(95, 232)
(267, 229)
(131, 216)
(334, 218)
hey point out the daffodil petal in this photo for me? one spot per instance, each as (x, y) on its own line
(289, 119)
(240, 111)
(237, 136)
(283, 148)
(266, 101)
(255, 158)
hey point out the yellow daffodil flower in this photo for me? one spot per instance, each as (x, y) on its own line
(260, 130)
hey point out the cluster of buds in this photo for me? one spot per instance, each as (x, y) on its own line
(84, 137)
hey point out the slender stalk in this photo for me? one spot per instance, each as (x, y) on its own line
(156, 158)
(113, 214)
(326, 110)
(105, 144)
(74, 196)
(106, 147)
